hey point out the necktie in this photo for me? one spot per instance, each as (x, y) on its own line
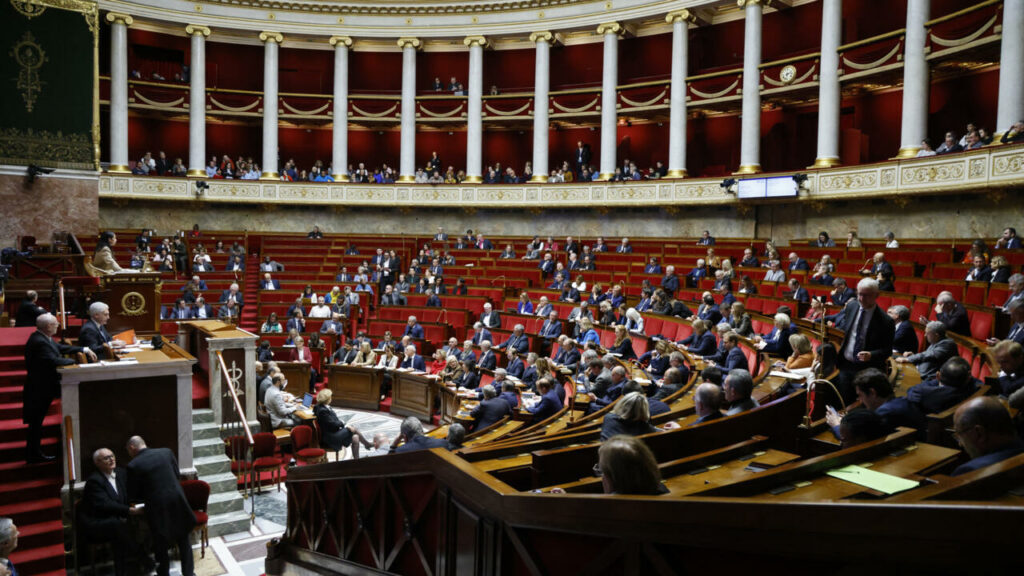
(1015, 332)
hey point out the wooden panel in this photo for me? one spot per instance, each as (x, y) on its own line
(412, 395)
(355, 387)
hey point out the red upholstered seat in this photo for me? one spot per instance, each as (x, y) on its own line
(264, 445)
(266, 462)
(201, 518)
(197, 493)
(302, 440)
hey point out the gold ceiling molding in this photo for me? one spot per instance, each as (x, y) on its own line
(611, 28)
(113, 17)
(402, 8)
(681, 15)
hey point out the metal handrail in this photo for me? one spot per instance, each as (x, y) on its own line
(234, 398)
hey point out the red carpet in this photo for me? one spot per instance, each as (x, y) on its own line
(200, 393)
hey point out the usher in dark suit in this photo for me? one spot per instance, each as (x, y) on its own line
(42, 384)
(153, 479)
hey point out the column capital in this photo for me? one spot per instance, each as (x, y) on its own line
(475, 40)
(611, 28)
(681, 15)
(125, 19)
(542, 36)
(267, 36)
(744, 3)
(194, 29)
(410, 41)
(343, 40)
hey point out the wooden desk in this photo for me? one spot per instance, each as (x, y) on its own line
(355, 386)
(412, 394)
(297, 374)
(727, 472)
(110, 403)
(203, 339)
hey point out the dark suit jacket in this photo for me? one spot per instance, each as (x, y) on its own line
(207, 308)
(102, 509)
(877, 341)
(489, 412)
(670, 284)
(42, 383)
(519, 343)
(551, 329)
(422, 442)
(613, 425)
(931, 397)
(483, 334)
(548, 406)
(93, 336)
(238, 297)
(515, 368)
(905, 339)
(492, 320)
(735, 359)
(416, 331)
(929, 361)
(702, 345)
(488, 360)
(153, 479)
(416, 363)
(956, 321)
(799, 264)
(27, 314)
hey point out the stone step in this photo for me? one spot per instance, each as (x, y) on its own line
(205, 430)
(207, 447)
(211, 465)
(220, 483)
(202, 416)
(231, 523)
(225, 502)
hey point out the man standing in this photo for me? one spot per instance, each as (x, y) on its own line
(42, 384)
(153, 480)
(868, 336)
(29, 310)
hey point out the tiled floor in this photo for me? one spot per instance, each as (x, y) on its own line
(243, 554)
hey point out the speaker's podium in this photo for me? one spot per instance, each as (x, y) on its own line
(134, 300)
(147, 393)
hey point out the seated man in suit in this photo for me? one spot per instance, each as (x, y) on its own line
(951, 313)
(985, 430)
(1016, 331)
(654, 406)
(490, 410)
(549, 404)
(707, 403)
(735, 359)
(490, 318)
(233, 295)
(202, 310)
(544, 308)
(411, 438)
(228, 311)
(881, 271)
(94, 334)
(280, 405)
(618, 383)
(467, 352)
(269, 283)
(413, 360)
(876, 393)
(952, 384)
(104, 510)
(738, 387)
(517, 341)
(29, 310)
(841, 293)
(487, 360)
(181, 311)
(797, 263)
(508, 394)
(514, 366)
(1010, 357)
(412, 328)
(940, 348)
(904, 339)
(333, 325)
(798, 292)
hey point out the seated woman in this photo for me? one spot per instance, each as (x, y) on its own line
(470, 379)
(634, 321)
(623, 344)
(335, 434)
(656, 360)
(315, 343)
(366, 356)
(388, 359)
(630, 416)
(507, 253)
(628, 467)
(587, 333)
(1001, 270)
(452, 371)
(747, 285)
(272, 325)
(440, 362)
(524, 306)
(817, 310)
(606, 314)
(802, 356)
(701, 342)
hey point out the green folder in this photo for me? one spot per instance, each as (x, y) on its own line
(880, 481)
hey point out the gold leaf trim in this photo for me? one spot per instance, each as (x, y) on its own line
(575, 110)
(876, 63)
(234, 109)
(711, 96)
(442, 114)
(966, 39)
(304, 113)
(171, 104)
(375, 114)
(643, 104)
(509, 113)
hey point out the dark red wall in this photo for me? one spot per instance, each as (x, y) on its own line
(306, 71)
(443, 65)
(509, 70)
(234, 66)
(646, 58)
(578, 65)
(155, 134)
(376, 72)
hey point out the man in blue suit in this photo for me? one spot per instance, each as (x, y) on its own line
(412, 435)
(413, 360)
(551, 328)
(515, 366)
(841, 293)
(876, 393)
(797, 263)
(270, 283)
(733, 355)
(490, 410)
(508, 394)
(480, 334)
(181, 311)
(544, 308)
(549, 404)
(412, 328)
(670, 282)
(487, 358)
(529, 375)
(799, 293)
(517, 341)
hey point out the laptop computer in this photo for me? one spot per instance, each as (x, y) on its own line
(307, 400)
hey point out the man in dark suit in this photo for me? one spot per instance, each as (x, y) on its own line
(413, 360)
(707, 403)
(480, 334)
(841, 293)
(517, 341)
(544, 308)
(104, 509)
(551, 328)
(625, 247)
(904, 338)
(181, 311)
(233, 294)
(413, 438)
(798, 292)
(868, 336)
(490, 410)
(571, 246)
(952, 384)
(483, 243)
(1009, 239)
(549, 404)
(882, 272)
(441, 236)
(986, 432)
(42, 383)
(876, 393)
(153, 479)
(412, 328)
(706, 239)
(269, 283)
(952, 314)
(346, 353)
(734, 357)
(29, 310)
(670, 282)
(547, 265)
(940, 348)
(202, 310)
(490, 317)
(93, 334)
(797, 263)
(582, 157)
(487, 359)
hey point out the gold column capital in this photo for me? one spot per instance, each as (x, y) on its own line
(475, 40)
(744, 3)
(410, 41)
(683, 15)
(194, 29)
(267, 36)
(542, 35)
(343, 40)
(610, 28)
(125, 19)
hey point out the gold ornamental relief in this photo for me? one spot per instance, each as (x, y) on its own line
(29, 57)
(28, 9)
(133, 304)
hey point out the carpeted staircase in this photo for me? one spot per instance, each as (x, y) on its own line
(250, 292)
(29, 493)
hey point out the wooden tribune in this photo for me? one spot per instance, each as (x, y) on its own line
(134, 301)
(355, 386)
(412, 394)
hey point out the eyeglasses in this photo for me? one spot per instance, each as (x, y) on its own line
(107, 458)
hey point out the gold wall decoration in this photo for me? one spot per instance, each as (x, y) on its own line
(30, 57)
(26, 147)
(27, 8)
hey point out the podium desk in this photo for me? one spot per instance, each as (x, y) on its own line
(450, 402)
(203, 339)
(412, 394)
(134, 300)
(355, 386)
(111, 402)
(297, 374)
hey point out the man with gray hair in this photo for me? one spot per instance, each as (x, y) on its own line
(517, 341)
(8, 542)
(413, 439)
(412, 360)
(905, 339)
(707, 403)
(42, 383)
(1016, 285)
(951, 313)
(490, 410)
(487, 358)
(104, 508)
(940, 348)
(456, 436)
(94, 335)
(1016, 332)
(738, 387)
(232, 295)
(869, 333)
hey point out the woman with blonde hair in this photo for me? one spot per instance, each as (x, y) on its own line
(587, 332)
(634, 321)
(630, 416)
(727, 269)
(803, 355)
(366, 356)
(452, 371)
(388, 360)
(628, 467)
(623, 344)
(334, 433)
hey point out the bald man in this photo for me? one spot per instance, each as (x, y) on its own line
(984, 429)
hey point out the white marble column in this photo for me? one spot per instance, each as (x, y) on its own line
(609, 97)
(915, 80)
(828, 84)
(474, 118)
(680, 20)
(271, 46)
(750, 131)
(1011, 67)
(197, 101)
(119, 92)
(541, 87)
(407, 163)
(339, 135)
